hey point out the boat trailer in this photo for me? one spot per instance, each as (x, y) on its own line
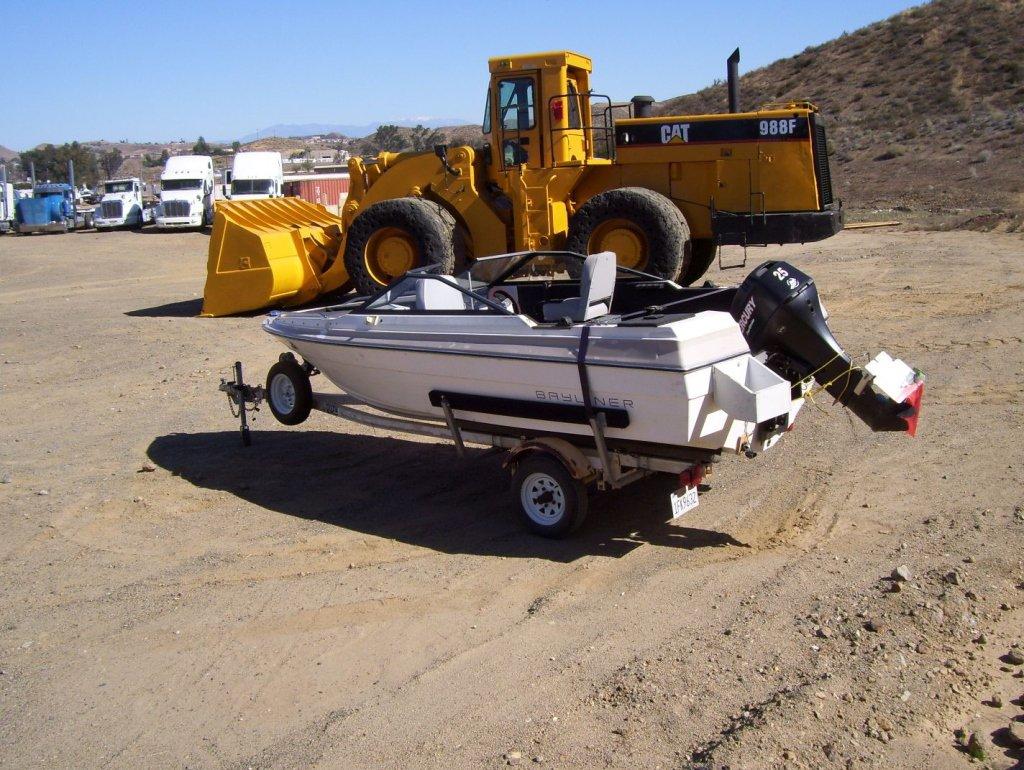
(550, 475)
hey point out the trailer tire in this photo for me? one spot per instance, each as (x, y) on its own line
(550, 501)
(394, 236)
(289, 393)
(643, 227)
(702, 254)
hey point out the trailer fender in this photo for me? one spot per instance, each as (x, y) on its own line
(570, 456)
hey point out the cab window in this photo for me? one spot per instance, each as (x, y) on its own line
(516, 99)
(574, 106)
(487, 114)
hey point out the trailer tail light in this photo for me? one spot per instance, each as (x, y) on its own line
(912, 412)
(557, 110)
(692, 476)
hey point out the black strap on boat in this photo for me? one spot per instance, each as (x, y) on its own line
(581, 364)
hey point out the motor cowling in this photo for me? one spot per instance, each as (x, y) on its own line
(779, 313)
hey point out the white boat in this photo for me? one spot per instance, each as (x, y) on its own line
(589, 383)
(667, 371)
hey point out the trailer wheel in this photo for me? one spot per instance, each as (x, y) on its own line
(644, 228)
(288, 392)
(550, 501)
(702, 254)
(392, 237)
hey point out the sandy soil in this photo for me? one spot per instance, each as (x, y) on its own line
(339, 597)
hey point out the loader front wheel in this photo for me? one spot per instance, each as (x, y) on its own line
(644, 229)
(392, 237)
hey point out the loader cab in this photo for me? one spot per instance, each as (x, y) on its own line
(537, 112)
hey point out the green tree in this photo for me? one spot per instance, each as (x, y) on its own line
(387, 138)
(111, 161)
(423, 138)
(52, 163)
(201, 147)
(236, 146)
(164, 157)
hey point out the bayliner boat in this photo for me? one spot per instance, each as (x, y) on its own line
(602, 367)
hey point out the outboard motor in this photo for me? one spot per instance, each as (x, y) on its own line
(778, 312)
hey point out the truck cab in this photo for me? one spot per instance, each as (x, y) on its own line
(51, 209)
(6, 206)
(257, 175)
(186, 193)
(122, 205)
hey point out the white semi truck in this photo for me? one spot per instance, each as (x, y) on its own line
(122, 205)
(256, 175)
(186, 192)
(6, 206)
(7, 199)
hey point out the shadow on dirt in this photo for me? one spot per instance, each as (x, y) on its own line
(154, 230)
(186, 308)
(417, 493)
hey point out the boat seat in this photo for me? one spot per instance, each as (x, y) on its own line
(596, 287)
(444, 294)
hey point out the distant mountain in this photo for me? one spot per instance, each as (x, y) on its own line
(6, 154)
(345, 129)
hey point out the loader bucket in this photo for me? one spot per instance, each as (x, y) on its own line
(272, 252)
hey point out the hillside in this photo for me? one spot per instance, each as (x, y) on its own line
(925, 109)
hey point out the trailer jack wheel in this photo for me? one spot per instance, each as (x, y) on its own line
(550, 501)
(288, 392)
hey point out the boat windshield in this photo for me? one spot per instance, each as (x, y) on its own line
(538, 266)
(423, 292)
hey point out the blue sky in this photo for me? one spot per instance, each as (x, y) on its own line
(162, 71)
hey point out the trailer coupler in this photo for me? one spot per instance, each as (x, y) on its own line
(242, 398)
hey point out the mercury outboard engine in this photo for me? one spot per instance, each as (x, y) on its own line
(778, 311)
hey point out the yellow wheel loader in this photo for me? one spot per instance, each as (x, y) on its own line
(556, 170)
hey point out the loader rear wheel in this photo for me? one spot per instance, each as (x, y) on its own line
(702, 254)
(392, 237)
(644, 229)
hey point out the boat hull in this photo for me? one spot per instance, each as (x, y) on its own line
(664, 406)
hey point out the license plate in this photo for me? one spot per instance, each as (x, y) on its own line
(683, 500)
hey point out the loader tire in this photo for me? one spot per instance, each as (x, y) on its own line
(392, 237)
(702, 254)
(645, 229)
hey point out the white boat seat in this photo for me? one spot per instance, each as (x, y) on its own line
(596, 287)
(433, 294)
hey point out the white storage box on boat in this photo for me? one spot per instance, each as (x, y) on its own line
(748, 390)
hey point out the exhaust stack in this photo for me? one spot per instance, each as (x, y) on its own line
(732, 69)
(642, 106)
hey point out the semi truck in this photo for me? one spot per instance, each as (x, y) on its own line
(256, 175)
(51, 209)
(122, 205)
(6, 206)
(186, 193)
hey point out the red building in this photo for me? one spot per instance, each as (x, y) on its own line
(328, 190)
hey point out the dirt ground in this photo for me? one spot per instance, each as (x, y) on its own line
(339, 597)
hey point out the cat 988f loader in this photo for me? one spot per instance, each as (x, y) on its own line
(556, 169)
